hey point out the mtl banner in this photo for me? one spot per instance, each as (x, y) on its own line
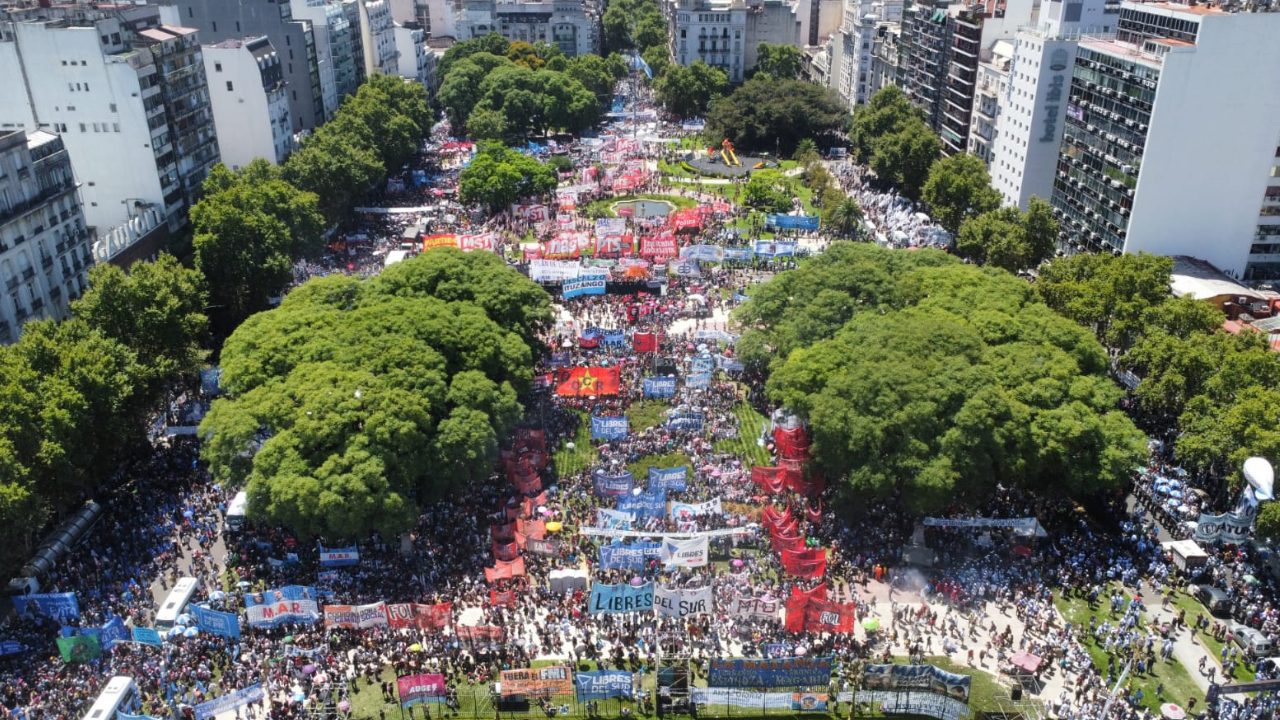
(694, 552)
(421, 688)
(604, 684)
(668, 478)
(355, 616)
(678, 603)
(609, 427)
(422, 617)
(774, 672)
(620, 599)
(538, 682)
(586, 381)
(291, 603)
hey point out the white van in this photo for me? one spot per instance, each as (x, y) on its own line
(235, 511)
(184, 591)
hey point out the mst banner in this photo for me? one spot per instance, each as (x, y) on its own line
(763, 673)
(901, 678)
(540, 682)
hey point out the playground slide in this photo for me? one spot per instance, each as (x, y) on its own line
(734, 157)
(758, 165)
(725, 157)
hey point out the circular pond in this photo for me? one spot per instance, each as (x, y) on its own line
(643, 208)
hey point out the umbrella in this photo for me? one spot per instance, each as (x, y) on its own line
(416, 647)
(175, 632)
(344, 706)
(308, 669)
(242, 585)
(554, 526)
(1173, 712)
(217, 595)
(191, 632)
(800, 651)
(186, 513)
(637, 581)
(1250, 579)
(287, 639)
(872, 623)
(184, 619)
(737, 562)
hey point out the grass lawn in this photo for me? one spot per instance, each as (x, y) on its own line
(1183, 601)
(1178, 683)
(745, 446)
(640, 468)
(571, 460)
(604, 208)
(647, 413)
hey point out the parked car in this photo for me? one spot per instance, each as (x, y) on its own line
(1254, 643)
(1217, 601)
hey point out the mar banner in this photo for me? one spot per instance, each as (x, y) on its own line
(659, 387)
(620, 599)
(604, 685)
(416, 689)
(613, 485)
(538, 682)
(774, 672)
(291, 603)
(609, 427)
(589, 381)
(694, 552)
(216, 623)
(682, 603)
(926, 678)
(339, 557)
(62, 607)
(422, 617)
(646, 504)
(230, 701)
(355, 616)
(631, 556)
(668, 478)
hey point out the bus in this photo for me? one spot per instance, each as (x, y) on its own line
(120, 695)
(235, 511)
(176, 604)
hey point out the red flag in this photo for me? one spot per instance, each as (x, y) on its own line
(536, 529)
(796, 613)
(506, 551)
(506, 598)
(781, 543)
(771, 517)
(531, 503)
(805, 563)
(830, 617)
(814, 514)
(503, 570)
(770, 480)
(792, 444)
(646, 342)
(818, 592)
(503, 533)
(590, 381)
(532, 439)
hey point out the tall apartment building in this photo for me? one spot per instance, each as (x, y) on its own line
(129, 97)
(727, 33)
(414, 62)
(850, 48)
(1172, 138)
(570, 25)
(44, 241)
(338, 63)
(250, 102)
(992, 85)
(435, 17)
(885, 55)
(220, 20)
(1024, 149)
(377, 37)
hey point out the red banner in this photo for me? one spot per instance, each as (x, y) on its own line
(795, 613)
(531, 504)
(817, 592)
(532, 439)
(646, 342)
(590, 381)
(535, 529)
(814, 514)
(422, 617)
(504, 570)
(658, 246)
(506, 551)
(505, 599)
(503, 533)
(771, 517)
(805, 563)
(435, 241)
(792, 444)
(686, 219)
(830, 617)
(769, 479)
(529, 484)
(479, 633)
(781, 543)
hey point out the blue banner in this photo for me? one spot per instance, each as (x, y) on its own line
(703, 365)
(740, 298)
(62, 607)
(778, 672)
(614, 337)
(791, 222)
(668, 478)
(216, 623)
(700, 380)
(713, 253)
(609, 427)
(619, 556)
(649, 504)
(230, 701)
(604, 685)
(339, 557)
(686, 420)
(771, 248)
(584, 285)
(559, 359)
(147, 636)
(620, 599)
(113, 632)
(613, 485)
(728, 364)
(738, 254)
(659, 387)
(122, 715)
(685, 268)
(291, 603)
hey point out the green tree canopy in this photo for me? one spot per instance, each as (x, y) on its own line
(1008, 239)
(781, 61)
(634, 25)
(688, 90)
(1110, 295)
(357, 400)
(885, 113)
(773, 114)
(770, 190)
(904, 157)
(498, 176)
(959, 188)
(932, 381)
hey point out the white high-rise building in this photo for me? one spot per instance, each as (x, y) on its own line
(338, 60)
(250, 105)
(726, 34)
(1170, 138)
(1028, 131)
(991, 86)
(850, 48)
(414, 62)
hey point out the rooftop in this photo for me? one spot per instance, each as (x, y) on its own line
(1202, 281)
(38, 138)
(1197, 9)
(1111, 46)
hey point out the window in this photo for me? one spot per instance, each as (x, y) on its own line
(295, 95)
(95, 127)
(82, 127)
(217, 67)
(106, 39)
(237, 26)
(215, 27)
(115, 127)
(86, 87)
(191, 11)
(230, 87)
(64, 63)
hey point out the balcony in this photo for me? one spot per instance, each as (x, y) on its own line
(17, 210)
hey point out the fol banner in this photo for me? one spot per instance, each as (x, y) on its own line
(422, 617)
(694, 552)
(538, 682)
(416, 689)
(355, 616)
(682, 603)
(776, 672)
(609, 427)
(604, 685)
(620, 599)
(668, 478)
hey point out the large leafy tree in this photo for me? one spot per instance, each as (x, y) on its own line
(688, 90)
(357, 400)
(770, 190)
(1110, 295)
(844, 218)
(1008, 239)
(930, 381)
(957, 189)
(772, 114)
(904, 157)
(885, 113)
(781, 61)
(634, 25)
(499, 176)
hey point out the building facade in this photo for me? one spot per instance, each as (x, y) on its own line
(570, 25)
(128, 96)
(250, 102)
(294, 39)
(726, 34)
(337, 62)
(1167, 148)
(886, 50)
(851, 48)
(45, 244)
(413, 61)
(992, 85)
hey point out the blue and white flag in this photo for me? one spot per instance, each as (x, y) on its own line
(609, 427)
(645, 504)
(339, 557)
(740, 298)
(584, 285)
(791, 222)
(709, 253)
(659, 387)
(699, 380)
(737, 254)
(614, 337)
(216, 623)
(686, 420)
(662, 479)
(230, 701)
(774, 248)
(614, 520)
(728, 364)
(703, 365)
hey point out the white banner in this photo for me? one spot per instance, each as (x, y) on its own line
(676, 603)
(916, 703)
(741, 698)
(755, 608)
(613, 519)
(684, 511)
(553, 270)
(694, 552)
(1016, 523)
